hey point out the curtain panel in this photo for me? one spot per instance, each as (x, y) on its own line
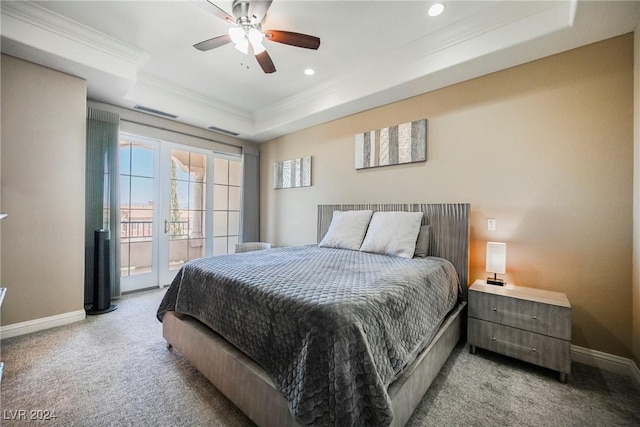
(250, 209)
(102, 195)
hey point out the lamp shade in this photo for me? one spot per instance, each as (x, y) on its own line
(496, 257)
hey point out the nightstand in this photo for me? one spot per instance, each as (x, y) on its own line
(529, 324)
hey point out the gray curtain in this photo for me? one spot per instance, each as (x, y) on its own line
(250, 212)
(102, 195)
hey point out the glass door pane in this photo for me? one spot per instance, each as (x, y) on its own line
(137, 212)
(188, 204)
(227, 182)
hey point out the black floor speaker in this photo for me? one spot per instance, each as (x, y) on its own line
(101, 275)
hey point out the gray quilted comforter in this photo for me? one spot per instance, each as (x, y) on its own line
(332, 327)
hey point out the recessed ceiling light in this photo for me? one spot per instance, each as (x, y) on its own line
(436, 9)
(309, 71)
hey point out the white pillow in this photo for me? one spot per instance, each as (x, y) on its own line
(393, 233)
(347, 229)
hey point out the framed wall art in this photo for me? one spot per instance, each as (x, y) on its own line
(394, 145)
(292, 173)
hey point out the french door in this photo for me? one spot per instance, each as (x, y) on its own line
(186, 206)
(167, 213)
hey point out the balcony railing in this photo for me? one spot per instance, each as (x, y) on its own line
(144, 229)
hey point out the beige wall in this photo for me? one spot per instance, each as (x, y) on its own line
(43, 156)
(636, 199)
(546, 148)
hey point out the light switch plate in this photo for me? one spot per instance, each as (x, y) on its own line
(491, 224)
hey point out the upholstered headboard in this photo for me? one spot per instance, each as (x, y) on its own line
(449, 236)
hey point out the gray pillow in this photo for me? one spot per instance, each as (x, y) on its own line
(422, 245)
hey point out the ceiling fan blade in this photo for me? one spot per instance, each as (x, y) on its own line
(294, 39)
(259, 8)
(209, 6)
(213, 43)
(265, 62)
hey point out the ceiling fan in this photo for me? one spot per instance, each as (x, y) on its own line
(247, 35)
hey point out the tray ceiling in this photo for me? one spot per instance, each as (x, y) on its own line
(371, 53)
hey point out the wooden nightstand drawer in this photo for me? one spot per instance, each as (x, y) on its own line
(539, 349)
(547, 319)
(530, 324)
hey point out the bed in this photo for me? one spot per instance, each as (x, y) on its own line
(336, 336)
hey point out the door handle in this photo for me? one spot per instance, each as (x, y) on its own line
(166, 226)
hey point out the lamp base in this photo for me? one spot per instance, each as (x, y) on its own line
(494, 281)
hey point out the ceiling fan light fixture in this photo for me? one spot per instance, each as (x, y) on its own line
(255, 38)
(258, 48)
(243, 46)
(246, 32)
(237, 35)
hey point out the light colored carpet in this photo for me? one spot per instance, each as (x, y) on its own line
(115, 370)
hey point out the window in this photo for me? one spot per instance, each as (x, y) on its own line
(136, 205)
(227, 180)
(188, 200)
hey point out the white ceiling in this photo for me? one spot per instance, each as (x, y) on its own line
(371, 53)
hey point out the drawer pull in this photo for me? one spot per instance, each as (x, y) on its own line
(513, 315)
(514, 345)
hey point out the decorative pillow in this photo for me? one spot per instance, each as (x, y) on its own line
(347, 229)
(422, 245)
(393, 233)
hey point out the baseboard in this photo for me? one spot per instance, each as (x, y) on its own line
(606, 361)
(35, 325)
(599, 359)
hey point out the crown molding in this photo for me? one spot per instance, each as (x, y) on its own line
(496, 29)
(37, 16)
(35, 26)
(182, 102)
(501, 36)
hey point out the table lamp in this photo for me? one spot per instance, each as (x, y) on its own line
(496, 262)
